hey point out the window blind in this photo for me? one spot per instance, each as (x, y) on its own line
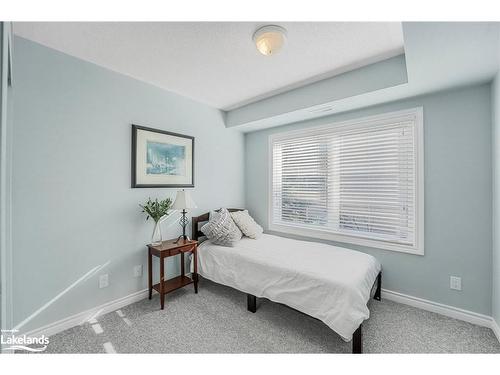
(357, 180)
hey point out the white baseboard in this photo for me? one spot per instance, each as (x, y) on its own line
(80, 318)
(495, 328)
(439, 308)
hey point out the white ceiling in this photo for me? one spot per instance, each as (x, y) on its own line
(438, 56)
(217, 63)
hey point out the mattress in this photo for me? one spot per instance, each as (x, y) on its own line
(327, 282)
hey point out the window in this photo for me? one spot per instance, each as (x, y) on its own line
(359, 181)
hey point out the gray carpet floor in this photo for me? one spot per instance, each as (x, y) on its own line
(216, 321)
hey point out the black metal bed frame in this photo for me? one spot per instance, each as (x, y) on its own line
(357, 337)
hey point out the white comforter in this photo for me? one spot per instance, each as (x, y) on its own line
(327, 282)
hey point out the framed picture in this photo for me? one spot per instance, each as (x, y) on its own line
(161, 158)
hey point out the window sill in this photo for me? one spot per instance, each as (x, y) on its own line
(315, 233)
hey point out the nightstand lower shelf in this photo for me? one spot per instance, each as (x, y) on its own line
(173, 284)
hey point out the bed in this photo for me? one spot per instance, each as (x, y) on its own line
(297, 274)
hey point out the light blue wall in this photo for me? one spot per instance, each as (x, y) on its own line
(298, 102)
(73, 208)
(495, 108)
(458, 233)
(5, 183)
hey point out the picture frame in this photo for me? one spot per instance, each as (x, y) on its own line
(161, 159)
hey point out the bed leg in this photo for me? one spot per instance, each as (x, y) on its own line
(251, 303)
(378, 291)
(357, 341)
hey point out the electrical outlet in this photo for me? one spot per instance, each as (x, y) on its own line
(455, 283)
(138, 270)
(103, 281)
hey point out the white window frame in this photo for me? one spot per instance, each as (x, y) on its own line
(418, 247)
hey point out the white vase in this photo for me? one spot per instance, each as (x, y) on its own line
(156, 237)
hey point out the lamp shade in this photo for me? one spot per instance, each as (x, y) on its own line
(183, 201)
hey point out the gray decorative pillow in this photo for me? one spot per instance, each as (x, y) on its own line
(247, 224)
(221, 229)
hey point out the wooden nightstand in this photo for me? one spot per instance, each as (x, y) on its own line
(165, 250)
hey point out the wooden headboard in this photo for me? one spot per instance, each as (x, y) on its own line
(197, 220)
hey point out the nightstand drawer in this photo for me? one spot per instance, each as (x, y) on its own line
(174, 252)
(186, 249)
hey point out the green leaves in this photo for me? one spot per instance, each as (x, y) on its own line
(156, 209)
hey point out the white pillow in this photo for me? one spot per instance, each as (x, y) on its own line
(247, 224)
(221, 229)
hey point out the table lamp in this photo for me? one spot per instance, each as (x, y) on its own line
(183, 201)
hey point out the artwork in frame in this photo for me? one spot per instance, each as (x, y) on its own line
(161, 158)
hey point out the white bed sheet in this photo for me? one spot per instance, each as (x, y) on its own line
(327, 282)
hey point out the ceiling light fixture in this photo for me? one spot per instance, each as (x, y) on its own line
(269, 39)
